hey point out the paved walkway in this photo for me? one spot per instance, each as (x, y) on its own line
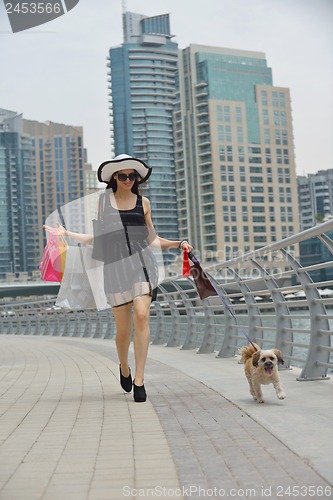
(68, 432)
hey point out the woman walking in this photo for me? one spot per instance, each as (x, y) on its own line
(130, 268)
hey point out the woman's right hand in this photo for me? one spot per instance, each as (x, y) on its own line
(60, 230)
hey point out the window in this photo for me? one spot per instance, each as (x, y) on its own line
(281, 197)
(278, 137)
(240, 134)
(257, 189)
(254, 150)
(286, 156)
(256, 179)
(267, 136)
(279, 156)
(224, 197)
(255, 159)
(227, 113)
(269, 174)
(268, 155)
(257, 199)
(264, 100)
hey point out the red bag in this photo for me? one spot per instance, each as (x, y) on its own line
(186, 264)
(53, 261)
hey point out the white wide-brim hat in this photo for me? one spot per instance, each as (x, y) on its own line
(122, 162)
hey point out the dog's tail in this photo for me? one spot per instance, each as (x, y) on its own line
(247, 351)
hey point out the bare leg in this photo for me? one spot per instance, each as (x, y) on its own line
(141, 335)
(123, 319)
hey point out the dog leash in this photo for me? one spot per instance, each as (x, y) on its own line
(224, 302)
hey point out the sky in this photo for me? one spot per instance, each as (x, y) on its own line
(58, 72)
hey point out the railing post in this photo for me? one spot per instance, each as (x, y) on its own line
(174, 338)
(159, 332)
(312, 370)
(206, 344)
(230, 326)
(189, 342)
(283, 337)
(252, 309)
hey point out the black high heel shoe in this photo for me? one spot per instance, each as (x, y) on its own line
(140, 394)
(126, 382)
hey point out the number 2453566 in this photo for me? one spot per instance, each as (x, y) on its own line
(33, 8)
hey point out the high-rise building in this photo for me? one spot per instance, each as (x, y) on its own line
(142, 94)
(60, 161)
(43, 166)
(18, 198)
(234, 150)
(315, 198)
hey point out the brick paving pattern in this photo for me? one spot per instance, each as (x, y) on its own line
(67, 431)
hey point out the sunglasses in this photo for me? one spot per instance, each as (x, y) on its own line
(133, 176)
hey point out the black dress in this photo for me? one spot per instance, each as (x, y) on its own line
(130, 268)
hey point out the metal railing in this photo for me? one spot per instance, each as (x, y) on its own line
(42, 318)
(279, 303)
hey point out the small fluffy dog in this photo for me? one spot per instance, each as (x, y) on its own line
(261, 367)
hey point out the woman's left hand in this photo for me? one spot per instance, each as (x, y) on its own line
(186, 246)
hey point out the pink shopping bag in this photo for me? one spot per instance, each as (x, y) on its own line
(52, 265)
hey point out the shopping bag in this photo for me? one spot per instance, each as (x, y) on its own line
(82, 286)
(54, 258)
(62, 244)
(95, 273)
(204, 286)
(186, 264)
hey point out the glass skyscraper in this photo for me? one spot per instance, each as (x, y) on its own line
(142, 95)
(18, 198)
(43, 166)
(315, 198)
(234, 151)
(59, 163)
